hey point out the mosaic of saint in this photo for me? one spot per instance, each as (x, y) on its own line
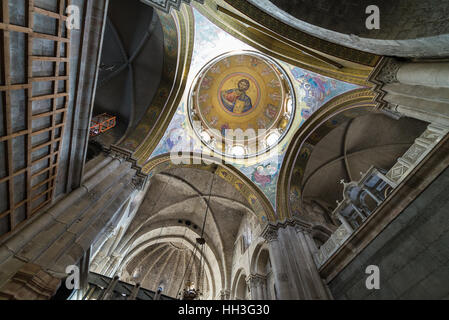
(239, 92)
(236, 100)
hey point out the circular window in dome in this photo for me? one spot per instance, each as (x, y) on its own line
(241, 104)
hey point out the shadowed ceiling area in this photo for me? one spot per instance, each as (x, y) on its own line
(131, 65)
(351, 149)
(408, 28)
(401, 19)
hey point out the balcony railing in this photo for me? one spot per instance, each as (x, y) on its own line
(362, 198)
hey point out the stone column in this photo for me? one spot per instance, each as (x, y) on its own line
(415, 90)
(345, 223)
(256, 285)
(251, 282)
(60, 236)
(315, 285)
(294, 268)
(224, 295)
(434, 74)
(281, 280)
(261, 285)
(84, 275)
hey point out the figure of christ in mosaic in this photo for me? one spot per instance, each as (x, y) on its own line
(236, 100)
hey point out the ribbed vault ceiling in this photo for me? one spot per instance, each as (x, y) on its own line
(171, 217)
(348, 150)
(131, 65)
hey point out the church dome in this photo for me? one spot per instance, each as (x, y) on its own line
(241, 104)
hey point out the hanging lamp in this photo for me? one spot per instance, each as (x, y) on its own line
(190, 291)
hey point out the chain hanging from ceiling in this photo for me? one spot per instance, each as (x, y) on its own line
(192, 290)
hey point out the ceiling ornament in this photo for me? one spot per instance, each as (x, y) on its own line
(241, 104)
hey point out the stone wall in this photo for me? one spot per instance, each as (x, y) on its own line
(412, 253)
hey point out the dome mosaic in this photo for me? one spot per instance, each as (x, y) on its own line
(241, 104)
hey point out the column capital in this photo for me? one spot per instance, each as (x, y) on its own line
(389, 70)
(270, 232)
(303, 229)
(224, 294)
(255, 278)
(140, 179)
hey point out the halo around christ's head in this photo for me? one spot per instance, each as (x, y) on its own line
(246, 91)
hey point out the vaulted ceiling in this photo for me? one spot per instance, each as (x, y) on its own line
(131, 65)
(408, 28)
(170, 219)
(351, 149)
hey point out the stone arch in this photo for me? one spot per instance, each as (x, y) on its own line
(339, 147)
(261, 267)
(320, 234)
(256, 200)
(323, 21)
(231, 190)
(277, 39)
(215, 280)
(152, 233)
(261, 249)
(338, 110)
(239, 289)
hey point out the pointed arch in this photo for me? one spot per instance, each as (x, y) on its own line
(256, 199)
(333, 114)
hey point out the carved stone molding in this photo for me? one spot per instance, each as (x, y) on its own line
(167, 5)
(224, 295)
(384, 73)
(270, 232)
(390, 110)
(256, 279)
(389, 71)
(31, 282)
(140, 179)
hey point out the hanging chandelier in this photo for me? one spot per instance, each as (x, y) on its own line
(192, 291)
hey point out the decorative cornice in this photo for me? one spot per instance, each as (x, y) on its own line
(270, 231)
(286, 47)
(167, 5)
(384, 73)
(388, 72)
(140, 179)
